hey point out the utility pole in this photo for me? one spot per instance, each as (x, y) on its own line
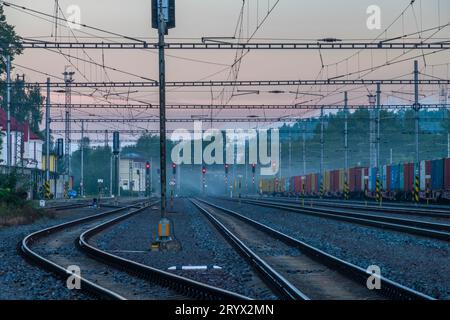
(322, 146)
(304, 147)
(116, 156)
(8, 108)
(68, 79)
(290, 152)
(130, 177)
(47, 133)
(378, 124)
(379, 186)
(346, 195)
(82, 160)
(417, 121)
(162, 114)
(111, 175)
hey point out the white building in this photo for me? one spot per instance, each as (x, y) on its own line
(25, 144)
(132, 172)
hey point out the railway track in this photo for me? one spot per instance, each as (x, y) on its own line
(431, 211)
(296, 269)
(104, 275)
(440, 231)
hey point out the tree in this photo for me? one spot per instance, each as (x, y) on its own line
(9, 40)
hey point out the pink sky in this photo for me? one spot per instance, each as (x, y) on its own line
(291, 19)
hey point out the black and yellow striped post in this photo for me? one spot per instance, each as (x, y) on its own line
(416, 189)
(47, 192)
(346, 191)
(378, 190)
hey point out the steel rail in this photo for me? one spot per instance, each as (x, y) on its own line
(184, 285)
(270, 275)
(387, 207)
(189, 287)
(61, 272)
(389, 288)
(416, 227)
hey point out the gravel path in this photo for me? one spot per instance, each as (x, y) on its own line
(416, 262)
(21, 281)
(202, 245)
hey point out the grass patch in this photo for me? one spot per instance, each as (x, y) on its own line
(24, 214)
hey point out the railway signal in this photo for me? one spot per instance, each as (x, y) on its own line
(203, 179)
(147, 179)
(226, 178)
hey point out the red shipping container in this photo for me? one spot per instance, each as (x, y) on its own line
(299, 184)
(388, 178)
(447, 174)
(335, 181)
(308, 183)
(365, 178)
(355, 179)
(408, 176)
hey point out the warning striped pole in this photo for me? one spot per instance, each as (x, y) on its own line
(378, 193)
(416, 189)
(47, 193)
(346, 191)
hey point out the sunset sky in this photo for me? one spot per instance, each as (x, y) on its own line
(290, 21)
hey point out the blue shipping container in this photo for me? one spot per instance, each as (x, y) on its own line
(372, 179)
(437, 174)
(383, 177)
(395, 177)
(401, 177)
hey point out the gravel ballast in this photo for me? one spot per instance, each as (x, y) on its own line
(201, 244)
(20, 280)
(416, 262)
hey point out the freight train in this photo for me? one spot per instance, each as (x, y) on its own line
(396, 182)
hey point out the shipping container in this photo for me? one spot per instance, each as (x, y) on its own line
(401, 177)
(356, 179)
(341, 180)
(372, 179)
(394, 178)
(327, 181)
(437, 175)
(315, 182)
(388, 183)
(447, 174)
(383, 177)
(425, 174)
(408, 177)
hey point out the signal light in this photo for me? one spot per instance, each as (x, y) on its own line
(147, 165)
(174, 168)
(226, 168)
(203, 170)
(253, 168)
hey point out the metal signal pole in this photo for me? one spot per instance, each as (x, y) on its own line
(8, 120)
(47, 132)
(82, 159)
(417, 121)
(162, 107)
